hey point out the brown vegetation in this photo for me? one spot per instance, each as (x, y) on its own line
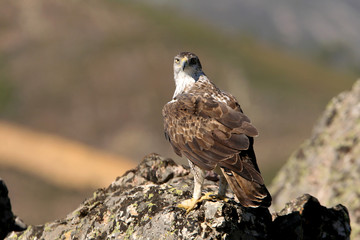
(58, 161)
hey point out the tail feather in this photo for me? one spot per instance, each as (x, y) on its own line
(249, 193)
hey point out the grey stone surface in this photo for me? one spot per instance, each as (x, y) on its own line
(305, 218)
(142, 204)
(327, 165)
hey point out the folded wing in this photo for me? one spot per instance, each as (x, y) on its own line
(211, 133)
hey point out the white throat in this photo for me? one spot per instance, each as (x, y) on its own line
(184, 81)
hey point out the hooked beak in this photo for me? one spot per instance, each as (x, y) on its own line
(184, 61)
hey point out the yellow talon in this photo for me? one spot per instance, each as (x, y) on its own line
(208, 196)
(223, 198)
(190, 204)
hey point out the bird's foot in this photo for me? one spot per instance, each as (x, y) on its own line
(223, 198)
(214, 196)
(190, 204)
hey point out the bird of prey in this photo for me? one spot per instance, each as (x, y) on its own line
(208, 127)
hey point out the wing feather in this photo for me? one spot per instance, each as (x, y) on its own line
(211, 133)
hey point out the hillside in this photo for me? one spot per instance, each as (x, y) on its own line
(103, 74)
(50, 175)
(323, 29)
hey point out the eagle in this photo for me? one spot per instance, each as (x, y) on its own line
(209, 128)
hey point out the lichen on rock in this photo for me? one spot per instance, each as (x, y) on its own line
(142, 204)
(327, 165)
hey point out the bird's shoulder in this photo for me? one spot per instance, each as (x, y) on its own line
(203, 96)
(209, 107)
(210, 92)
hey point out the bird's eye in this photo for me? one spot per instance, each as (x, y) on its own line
(192, 61)
(177, 60)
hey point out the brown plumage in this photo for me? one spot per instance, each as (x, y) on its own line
(208, 127)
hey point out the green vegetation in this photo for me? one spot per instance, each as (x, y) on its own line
(267, 66)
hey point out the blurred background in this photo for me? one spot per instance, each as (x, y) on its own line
(82, 83)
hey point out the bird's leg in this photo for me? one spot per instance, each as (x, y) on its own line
(199, 176)
(223, 185)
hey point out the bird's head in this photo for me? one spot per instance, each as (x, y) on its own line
(188, 63)
(187, 70)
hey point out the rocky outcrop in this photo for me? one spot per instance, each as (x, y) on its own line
(328, 164)
(142, 204)
(6, 215)
(8, 221)
(305, 218)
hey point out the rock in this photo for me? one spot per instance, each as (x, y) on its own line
(328, 164)
(8, 222)
(142, 204)
(305, 218)
(6, 215)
